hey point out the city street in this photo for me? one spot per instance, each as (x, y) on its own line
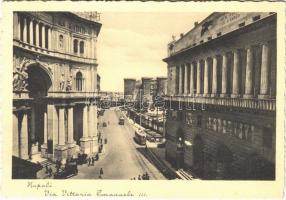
(121, 157)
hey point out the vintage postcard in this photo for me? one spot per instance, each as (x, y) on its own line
(143, 99)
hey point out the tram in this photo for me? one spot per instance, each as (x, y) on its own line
(140, 137)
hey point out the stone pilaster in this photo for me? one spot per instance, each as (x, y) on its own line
(44, 146)
(180, 80)
(24, 30)
(37, 39)
(43, 37)
(31, 32)
(15, 134)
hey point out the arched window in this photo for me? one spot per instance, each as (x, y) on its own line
(61, 41)
(79, 81)
(75, 46)
(81, 47)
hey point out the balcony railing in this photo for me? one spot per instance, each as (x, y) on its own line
(49, 52)
(259, 104)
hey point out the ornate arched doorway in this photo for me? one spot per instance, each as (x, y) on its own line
(39, 82)
(198, 155)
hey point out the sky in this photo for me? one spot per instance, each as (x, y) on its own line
(133, 44)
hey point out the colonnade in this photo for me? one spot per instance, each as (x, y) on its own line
(33, 32)
(198, 85)
(58, 128)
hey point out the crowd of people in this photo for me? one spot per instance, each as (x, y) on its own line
(144, 176)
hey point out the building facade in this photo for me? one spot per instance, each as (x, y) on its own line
(221, 97)
(98, 82)
(54, 84)
(129, 89)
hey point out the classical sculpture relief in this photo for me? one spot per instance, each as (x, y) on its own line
(62, 82)
(69, 83)
(20, 75)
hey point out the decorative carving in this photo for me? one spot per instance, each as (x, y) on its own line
(69, 83)
(20, 75)
(62, 82)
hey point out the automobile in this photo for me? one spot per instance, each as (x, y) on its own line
(104, 124)
(82, 159)
(121, 120)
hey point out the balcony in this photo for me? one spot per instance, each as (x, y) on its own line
(257, 104)
(48, 52)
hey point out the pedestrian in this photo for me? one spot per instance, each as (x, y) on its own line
(143, 177)
(50, 172)
(89, 160)
(101, 171)
(47, 169)
(105, 140)
(139, 177)
(92, 161)
(147, 176)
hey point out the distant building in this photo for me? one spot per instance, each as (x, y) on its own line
(222, 97)
(129, 89)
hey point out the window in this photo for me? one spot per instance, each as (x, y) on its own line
(79, 81)
(61, 41)
(81, 47)
(75, 46)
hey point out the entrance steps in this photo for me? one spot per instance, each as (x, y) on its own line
(184, 175)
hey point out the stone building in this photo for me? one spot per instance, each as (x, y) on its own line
(54, 84)
(129, 89)
(221, 97)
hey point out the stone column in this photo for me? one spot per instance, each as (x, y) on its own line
(31, 32)
(249, 74)
(17, 26)
(180, 80)
(62, 130)
(43, 37)
(94, 131)
(71, 142)
(192, 79)
(61, 148)
(70, 125)
(264, 79)
(24, 137)
(199, 91)
(206, 78)
(235, 75)
(224, 76)
(52, 129)
(85, 140)
(214, 82)
(186, 80)
(15, 134)
(44, 146)
(50, 38)
(24, 30)
(37, 39)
